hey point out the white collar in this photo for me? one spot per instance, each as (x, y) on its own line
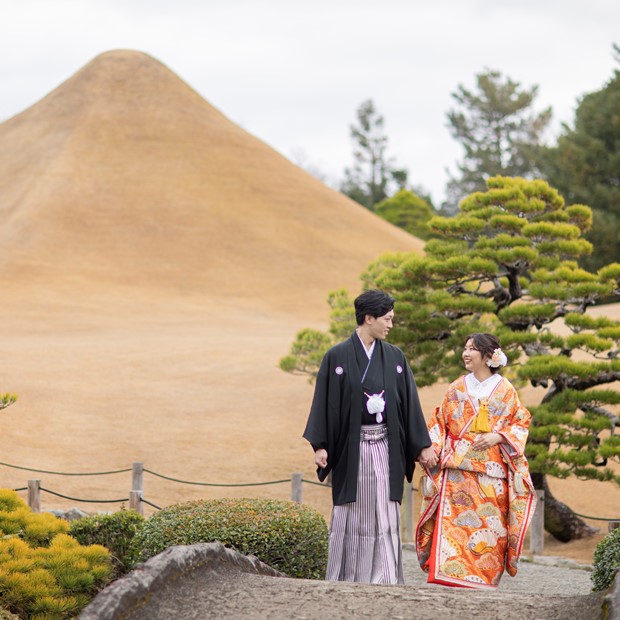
(481, 389)
(367, 351)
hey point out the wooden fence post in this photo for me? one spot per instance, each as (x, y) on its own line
(34, 495)
(537, 528)
(407, 514)
(135, 501)
(137, 477)
(296, 480)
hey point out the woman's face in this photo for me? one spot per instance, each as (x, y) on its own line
(472, 357)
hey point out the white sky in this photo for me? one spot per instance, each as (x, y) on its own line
(293, 72)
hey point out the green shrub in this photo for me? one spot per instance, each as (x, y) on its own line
(44, 573)
(16, 519)
(606, 560)
(115, 532)
(287, 536)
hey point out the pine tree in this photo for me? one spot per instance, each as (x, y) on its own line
(499, 132)
(373, 175)
(585, 166)
(507, 264)
(408, 211)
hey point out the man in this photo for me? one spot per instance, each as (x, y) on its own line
(366, 427)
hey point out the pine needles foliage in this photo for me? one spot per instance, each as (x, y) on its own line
(6, 400)
(44, 572)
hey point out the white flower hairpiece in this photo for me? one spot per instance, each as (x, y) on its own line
(497, 359)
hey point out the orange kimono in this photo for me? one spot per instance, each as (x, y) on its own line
(476, 505)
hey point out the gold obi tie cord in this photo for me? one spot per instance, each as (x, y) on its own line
(481, 421)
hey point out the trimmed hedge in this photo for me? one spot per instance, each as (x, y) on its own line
(287, 536)
(114, 531)
(606, 561)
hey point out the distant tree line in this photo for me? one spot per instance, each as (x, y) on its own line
(502, 135)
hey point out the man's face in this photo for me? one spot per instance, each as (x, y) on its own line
(380, 327)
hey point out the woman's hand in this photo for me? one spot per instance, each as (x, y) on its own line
(320, 457)
(427, 457)
(484, 441)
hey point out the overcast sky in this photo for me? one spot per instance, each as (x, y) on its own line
(294, 72)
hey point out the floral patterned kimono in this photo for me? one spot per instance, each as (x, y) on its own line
(476, 505)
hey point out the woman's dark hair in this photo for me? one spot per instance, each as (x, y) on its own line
(486, 344)
(374, 303)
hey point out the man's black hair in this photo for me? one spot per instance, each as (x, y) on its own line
(373, 303)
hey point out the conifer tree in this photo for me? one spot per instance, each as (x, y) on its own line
(408, 211)
(507, 264)
(585, 166)
(373, 175)
(499, 132)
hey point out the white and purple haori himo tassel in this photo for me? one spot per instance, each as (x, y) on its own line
(376, 405)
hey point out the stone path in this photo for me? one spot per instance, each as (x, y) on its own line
(224, 590)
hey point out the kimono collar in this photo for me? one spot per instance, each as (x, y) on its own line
(372, 346)
(481, 389)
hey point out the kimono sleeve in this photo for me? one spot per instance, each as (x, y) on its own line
(516, 428)
(417, 432)
(316, 428)
(437, 427)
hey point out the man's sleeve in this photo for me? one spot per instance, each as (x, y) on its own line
(316, 427)
(417, 436)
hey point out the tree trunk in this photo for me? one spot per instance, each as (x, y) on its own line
(560, 521)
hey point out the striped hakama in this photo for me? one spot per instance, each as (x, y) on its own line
(364, 539)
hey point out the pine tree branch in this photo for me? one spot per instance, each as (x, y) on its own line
(614, 419)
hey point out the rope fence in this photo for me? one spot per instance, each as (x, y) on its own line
(151, 504)
(213, 484)
(64, 473)
(595, 518)
(91, 501)
(137, 500)
(136, 497)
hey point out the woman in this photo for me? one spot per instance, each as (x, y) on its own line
(478, 498)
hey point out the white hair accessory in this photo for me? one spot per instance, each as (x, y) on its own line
(497, 359)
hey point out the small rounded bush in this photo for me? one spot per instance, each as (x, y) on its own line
(606, 561)
(287, 536)
(114, 531)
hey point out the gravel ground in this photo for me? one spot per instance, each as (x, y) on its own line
(544, 575)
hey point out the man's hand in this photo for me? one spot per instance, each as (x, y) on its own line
(320, 457)
(427, 457)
